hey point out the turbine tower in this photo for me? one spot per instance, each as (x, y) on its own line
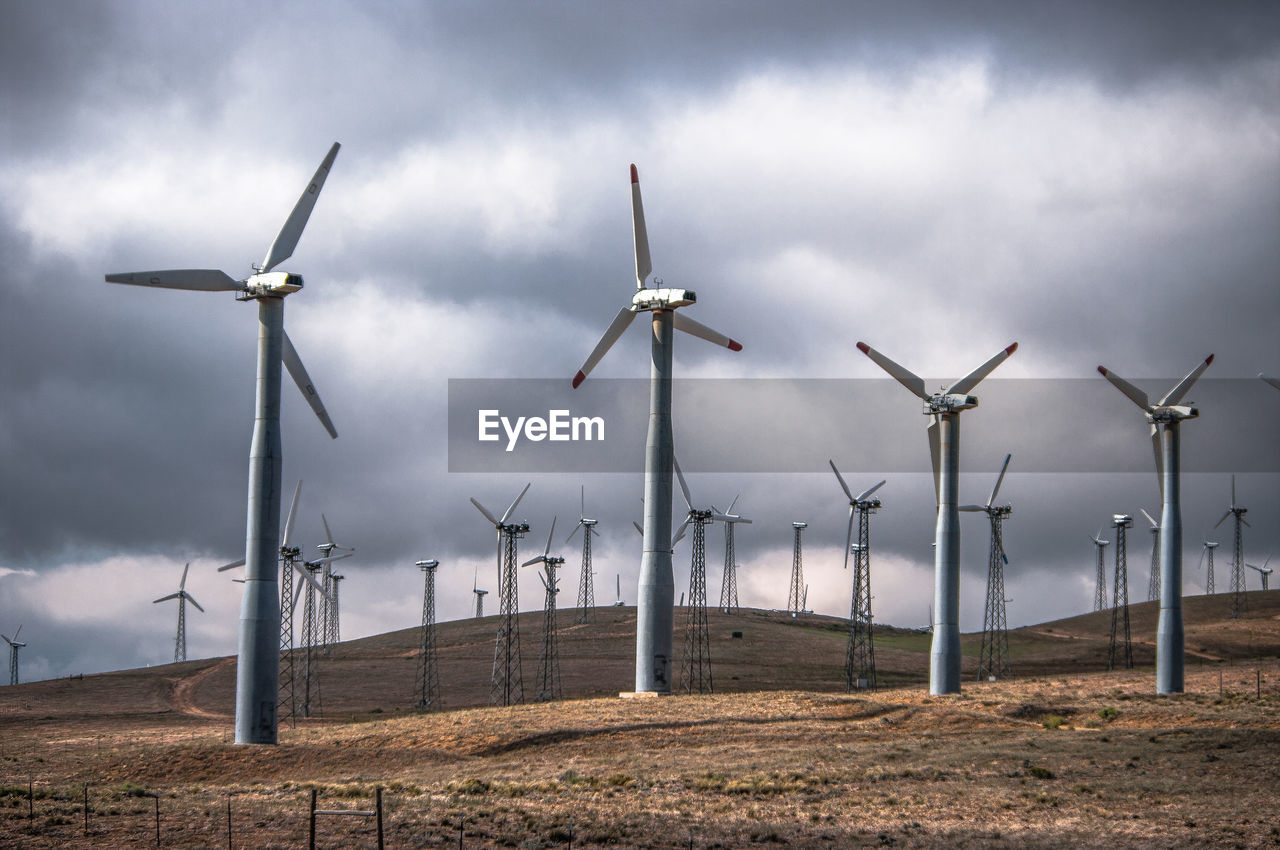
(695, 672)
(1153, 575)
(549, 656)
(729, 578)
(329, 601)
(655, 605)
(257, 668)
(586, 586)
(1208, 580)
(993, 661)
(334, 634)
(860, 657)
(1165, 417)
(1238, 601)
(14, 646)
(1120, 595)
(180, 642)
(1264, 572)
(943, 410)
(1100, 582)
(506, 685)
(426, 688)
(795, 588)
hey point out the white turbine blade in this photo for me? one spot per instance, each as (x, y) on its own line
(971, 380)
(643, 264)
(298, 372)
(287, 239)
(512, 509)
(306, 574)
(575, 531)
(935, 457)
(695, 328)
(1155, 447)
(900, 374)
(639, 530)
(293, 511)
(544, 583)
(1233, 489)
(1135, 395)
(331, 558)
(1003, 470)
(166, 598)
(867, 493)
(973, 508)
(535, 560)
(1224, 519)
(582, 501)
(848, 538)
(1176, 394)
(547, 551)
(734, 502)
(684, 488)
(493, 519)
(1203, 551)
(193, 601)
(611, 334)
(1154, 524)
(19, 631)
(1270, 380)
(840, 478)
(200, 280)
(297, 594)
(182, 584)
(684, 526)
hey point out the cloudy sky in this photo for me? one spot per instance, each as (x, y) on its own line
(1100, 184)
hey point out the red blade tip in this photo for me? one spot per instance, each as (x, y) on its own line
(863, 347)
(734, 345)
(1210, 360)
(1011, 349)
(1102, 370)
(635, 176)
(578, 379)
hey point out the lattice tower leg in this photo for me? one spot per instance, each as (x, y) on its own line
(860, 657)
(180, 643)
(310, 653)
(795, 594)
(549, 655)
(427, 682)
(1100, 592)
(507, 682)
(1208, 580)
(993, 660)
(1120, 608)
(287, 701)
(1238, 601)
(586, 586)
(696, 673)
(729, 579)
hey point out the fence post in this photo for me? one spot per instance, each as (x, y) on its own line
(228, 820)
(31, 799)
(1258, 690)
(461, 822)
(379, 810)
(311, 843)
(157, 798)
(86, 808)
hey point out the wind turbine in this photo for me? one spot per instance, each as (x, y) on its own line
(1165, 417)
(1264, 572)
(1100, 583)
(426, 686)
(993, 660)
(1238, 601)
(695, 672)
(586, 586)
(14, 646)
(1208, 550)
(796, 586)
(860, 657)
(507, 682)
(729, 578)
(480, 594)
(943, 409)
(257, 669)
(618, 603)
(180, 642)
(1120, 594)
(549, 656)
(329, 605)
(1153, 576)
(656, 593)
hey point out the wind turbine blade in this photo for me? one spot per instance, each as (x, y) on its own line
(293, 512)
(493, 519)
(1003, 470)
(840, 478)
(865, 494)
(193, 601)
(611, 334)
(298, 372)
(182, 584)
(639, 530)
(684, 488)
(1154, 524)
(512, 509)
(535, 560)
(306, 574)
(1221, 521)
(328, 535)
(297, 594)
(544, 583)
(1159, 455)
(1270, 380)
(848, 538)
(19, 631)
(1203, 551)
(935, 457)
(166, 598)
(696, 328)
(1233, 489)
(582, 501)
(1176, 394)
(200, 280)
(971, 380)
(547, 551)
(734, 502)
(331, 558)
(1134, 394)
(973, 508)
(287, 239)
(644, 266)
(902, 375)
(684, 526)
(575, 531)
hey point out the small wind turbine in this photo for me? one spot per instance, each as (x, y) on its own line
(655, 604)
(1165, 417)
(1100, 583)
(1153, 577)
(1264, 572)
(619, 603)
(507, 683)
(257, 670)
(180, 642)
(549, 656)
(1208, 550)
(14, 646)
(729, 578)
(480, 594)
(1237, 511)
(796, 586)
(695, 672)
(329, 606)
(860, 658)
(943, 410)
(586, 585)
(993, 661)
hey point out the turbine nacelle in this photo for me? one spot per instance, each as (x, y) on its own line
(662, 299)
(1172, 413)
(949, 403)
(271, 284)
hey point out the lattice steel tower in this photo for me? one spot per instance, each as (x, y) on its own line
(507, 681)
(695, 674)
(549, 656)
(860, 658)
(312, 632)
(1238, 601)
(333, 630)
(1120, 597)
(288, 697)
(480, 595)
(729, 578)
(426, 686)
(795, 592)
(586, 582)
(1100, 590)
(993, 658)
(1208, 577)
(1153, 577)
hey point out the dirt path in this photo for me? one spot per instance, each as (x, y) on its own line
(182, 692)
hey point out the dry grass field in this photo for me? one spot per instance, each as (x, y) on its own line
(1062, 754)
